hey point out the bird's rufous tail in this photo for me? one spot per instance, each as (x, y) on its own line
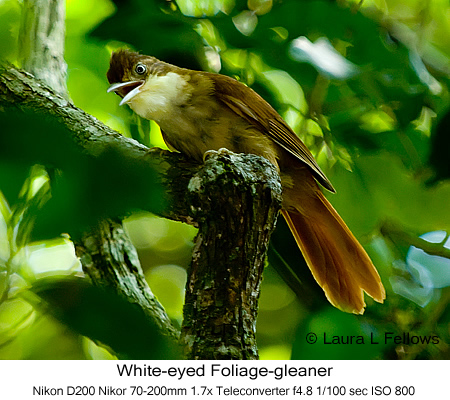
(337, 261)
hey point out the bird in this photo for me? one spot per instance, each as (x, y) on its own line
(200, 111)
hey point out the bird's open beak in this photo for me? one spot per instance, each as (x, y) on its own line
(126, 90)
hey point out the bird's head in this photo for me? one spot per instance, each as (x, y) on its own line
(129, 71)
(149, 86)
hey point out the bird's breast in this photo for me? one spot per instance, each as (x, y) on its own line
(194, 121)
(195, 130)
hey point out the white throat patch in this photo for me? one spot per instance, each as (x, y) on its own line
(159, 95)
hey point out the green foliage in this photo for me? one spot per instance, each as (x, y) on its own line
(83, 189)
(364, 84)
(104, 317)
(167, 35)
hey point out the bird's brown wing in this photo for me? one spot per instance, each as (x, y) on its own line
(229, 91)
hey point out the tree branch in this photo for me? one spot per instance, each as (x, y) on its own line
(395, 232)
(111, 261)
(233, 199)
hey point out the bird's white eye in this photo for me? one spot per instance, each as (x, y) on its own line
(140, 69)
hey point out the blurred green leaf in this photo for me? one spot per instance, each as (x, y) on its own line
(85, 189)
(381, 188)
(104, 317)
(110, 184)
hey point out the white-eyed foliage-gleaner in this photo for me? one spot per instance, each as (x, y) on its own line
(200, 111)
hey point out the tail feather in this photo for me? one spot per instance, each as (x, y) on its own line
(337, 261)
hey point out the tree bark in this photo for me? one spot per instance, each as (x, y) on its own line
(111, 261)
(41, 42)
(236, 200)
(232, 199)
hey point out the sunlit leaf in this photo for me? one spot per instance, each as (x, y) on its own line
(323, 56)
(245, 22)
